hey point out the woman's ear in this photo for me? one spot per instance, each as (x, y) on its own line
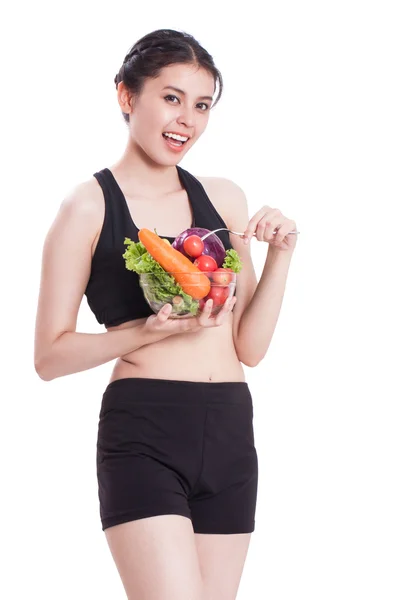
(125, 98)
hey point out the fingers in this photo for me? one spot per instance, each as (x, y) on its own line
(206, 320)
(205, 313)
(263, 224)
(227, 308)
(164, 313)
(284, 230)
(266, 227)
(252, 224)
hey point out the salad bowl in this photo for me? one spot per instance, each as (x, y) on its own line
(160, 288)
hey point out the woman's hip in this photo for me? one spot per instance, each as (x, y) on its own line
(174, 420)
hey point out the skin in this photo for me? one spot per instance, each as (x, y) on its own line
(162, 553)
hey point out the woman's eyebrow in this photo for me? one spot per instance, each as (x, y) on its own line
(171, 87)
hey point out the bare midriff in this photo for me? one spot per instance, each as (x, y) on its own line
(207, 355)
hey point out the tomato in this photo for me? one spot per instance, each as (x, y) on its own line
(219, 294)
(222, 276)
(206, 263)
(193, 245)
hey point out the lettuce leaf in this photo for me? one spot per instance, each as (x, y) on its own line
(232, 261)
(138, 259)
(162, 287)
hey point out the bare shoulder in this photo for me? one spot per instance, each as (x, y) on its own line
(226, 195)
(86, 198)
(219, 184)
(84, 204)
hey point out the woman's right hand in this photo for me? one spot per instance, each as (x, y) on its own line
(160, 323)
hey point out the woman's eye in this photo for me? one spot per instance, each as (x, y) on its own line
(170, 96)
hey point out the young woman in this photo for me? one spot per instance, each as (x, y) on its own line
(176, 460)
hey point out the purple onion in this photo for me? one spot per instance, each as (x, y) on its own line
(213, 245)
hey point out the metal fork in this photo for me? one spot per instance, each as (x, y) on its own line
(237, 233)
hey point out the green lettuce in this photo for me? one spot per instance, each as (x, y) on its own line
(232, 261)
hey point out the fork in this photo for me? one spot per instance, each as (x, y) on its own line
(237, 233)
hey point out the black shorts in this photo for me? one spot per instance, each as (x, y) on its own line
(178, 447)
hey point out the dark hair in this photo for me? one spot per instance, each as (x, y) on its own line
(158, 49)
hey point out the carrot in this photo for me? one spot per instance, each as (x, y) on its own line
(193, 281)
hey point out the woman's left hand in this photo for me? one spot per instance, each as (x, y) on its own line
(264, 223)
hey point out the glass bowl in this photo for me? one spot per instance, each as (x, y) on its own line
(163, 288)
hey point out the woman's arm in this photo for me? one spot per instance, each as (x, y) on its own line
(258, 304)
(72, 352)
(259, 319)
(66, 264)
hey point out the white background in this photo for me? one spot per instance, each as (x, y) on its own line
(309, 123)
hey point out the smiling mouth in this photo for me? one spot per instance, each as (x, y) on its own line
(174, 142)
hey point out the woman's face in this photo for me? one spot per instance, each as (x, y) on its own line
(162, 109)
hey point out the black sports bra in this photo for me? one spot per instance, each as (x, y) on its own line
(113, 293)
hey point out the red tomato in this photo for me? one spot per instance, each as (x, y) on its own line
(206, 263)
(218, 294)
(193, 245)
(222, 276)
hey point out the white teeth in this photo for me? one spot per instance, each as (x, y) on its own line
(180, 138)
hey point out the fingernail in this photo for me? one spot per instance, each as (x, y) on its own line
(246, 240)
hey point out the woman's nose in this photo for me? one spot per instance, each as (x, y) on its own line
(186, 117)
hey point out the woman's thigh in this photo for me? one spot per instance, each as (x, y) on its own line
(222, 559)
(157, 558)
